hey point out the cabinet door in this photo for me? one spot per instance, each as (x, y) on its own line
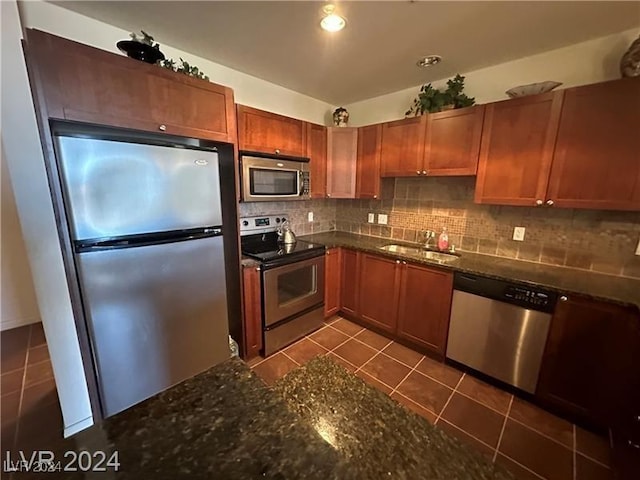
(425, 305)
(368, 169)
(332, 282)
(591, 361)
(252, 311)
(349, 276)
(317, 153)
(342, 148)
(403, 147)
(86, 84)
(452, 143)
(265, 132)
(516, 150)
(597, 157)
(379, 291)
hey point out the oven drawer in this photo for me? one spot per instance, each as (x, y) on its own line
(292, 288)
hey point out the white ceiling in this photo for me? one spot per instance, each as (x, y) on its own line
(282, 42)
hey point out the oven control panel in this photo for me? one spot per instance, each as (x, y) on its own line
(261, 224)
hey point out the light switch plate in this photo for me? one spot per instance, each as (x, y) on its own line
(518, 234)
(371, 218)
(310, 216)
(638, 248)
(382, 219)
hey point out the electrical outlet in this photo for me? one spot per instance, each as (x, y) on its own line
(310, 216)
(518, 234)
(382, 219)
(638, 248)
(371, 218)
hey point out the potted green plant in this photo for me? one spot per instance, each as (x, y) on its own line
(431, 100)
(142, 48)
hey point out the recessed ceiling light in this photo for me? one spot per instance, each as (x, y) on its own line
(429, 61)
(332, 22)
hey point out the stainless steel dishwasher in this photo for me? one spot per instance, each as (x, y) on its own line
(500, 328)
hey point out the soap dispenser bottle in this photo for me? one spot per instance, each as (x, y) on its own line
(443, 240)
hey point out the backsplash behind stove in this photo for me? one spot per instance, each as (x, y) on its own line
(324, 214)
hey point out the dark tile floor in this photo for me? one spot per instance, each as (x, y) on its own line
(30, 409)
(530, 442)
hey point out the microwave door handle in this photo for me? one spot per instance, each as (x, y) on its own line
(301, 181)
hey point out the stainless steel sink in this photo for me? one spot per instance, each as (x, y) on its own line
(420, 252)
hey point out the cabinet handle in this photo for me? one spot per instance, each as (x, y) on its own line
(424, 172)
(564, 298)
(404, 263)
(539, 202)
(550, 203)
(257, 269)
(375, 196)
(398, 262)
(418, 172)
(162, 127)
(277, 151)
(633, 444)
(328, 194)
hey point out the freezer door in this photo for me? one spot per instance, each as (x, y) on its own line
(117, 188)
(156, 314)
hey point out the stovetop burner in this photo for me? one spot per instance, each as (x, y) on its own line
(265, 247)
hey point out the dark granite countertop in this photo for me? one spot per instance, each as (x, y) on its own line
(319, 422)
(620, 290)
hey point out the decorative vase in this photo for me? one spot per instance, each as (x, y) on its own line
(340, 117)
(140, 51)
(630, 61)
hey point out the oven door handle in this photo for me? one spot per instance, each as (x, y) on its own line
(301, 183)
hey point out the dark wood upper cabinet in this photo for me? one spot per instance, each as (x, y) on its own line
(591, 362)
(597, 157)
(332, 269)
(349, 278)
(85, 84)
(424, 307)
(265, 132)
(368, 163)
(252, 311)
(378, 289)
(517, 146)
(402, 147)
(342, 148)
(317, 153)
(452, 142)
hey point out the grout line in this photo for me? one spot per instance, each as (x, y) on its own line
(574, 456)
(406, 376)
(523, 466)
(413, 401)
(376, 354)
(504, 424)
(466, 433)
(608, 467)
(282, 351)
(449, 399)
(540, 433)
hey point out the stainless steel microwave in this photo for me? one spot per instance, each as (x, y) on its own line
(273, 179)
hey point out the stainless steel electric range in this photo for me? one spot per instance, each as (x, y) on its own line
(292, 281)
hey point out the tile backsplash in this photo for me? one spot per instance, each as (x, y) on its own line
(597, 240)
(324, 213)
(601, 241)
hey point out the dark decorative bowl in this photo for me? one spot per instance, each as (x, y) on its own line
(140, 51)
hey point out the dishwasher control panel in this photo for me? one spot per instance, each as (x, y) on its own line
(524, 296)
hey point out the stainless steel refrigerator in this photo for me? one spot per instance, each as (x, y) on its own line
(146, 227)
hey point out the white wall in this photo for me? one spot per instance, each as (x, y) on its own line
(248, 90)
(25, 163)
(593, 61)
(18, 299)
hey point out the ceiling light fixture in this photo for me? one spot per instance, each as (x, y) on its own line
(332, 22)
(429, 61)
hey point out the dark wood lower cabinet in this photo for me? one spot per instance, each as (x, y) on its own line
(332, 269)
(424, 307)
(379, 291)
(252, 311)
(349, 281)
(591, 363)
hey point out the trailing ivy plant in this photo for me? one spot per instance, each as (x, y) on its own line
(184, 67)
(431, 100)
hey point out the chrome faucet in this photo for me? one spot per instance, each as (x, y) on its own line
(429, 239)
